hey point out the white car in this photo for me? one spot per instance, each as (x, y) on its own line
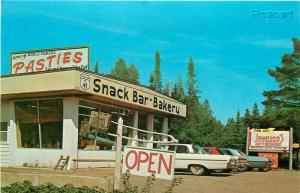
(198, 161)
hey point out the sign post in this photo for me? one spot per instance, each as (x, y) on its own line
(117, 174)
(247, 142)
(291, 150)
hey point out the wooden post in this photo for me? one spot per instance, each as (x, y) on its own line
(247, 142)
(117, 174)
(291, 150)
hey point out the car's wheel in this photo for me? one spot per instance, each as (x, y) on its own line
(197, 170)
(264, 169)
(242, 168)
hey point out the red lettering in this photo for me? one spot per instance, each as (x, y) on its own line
(77, 57)
(30, 66)
(66, 57)
(146, 158)
(49, 58)
(58, 58)
(41, 64)
(135, 159)
(162, 160)
(151, 162)
(17, 66)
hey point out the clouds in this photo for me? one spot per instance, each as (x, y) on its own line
(273, 43)
(71, 20)
(265, 42)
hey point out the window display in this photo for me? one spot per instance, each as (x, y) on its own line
(95, 122)
(39, 123)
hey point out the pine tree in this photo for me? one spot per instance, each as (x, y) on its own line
(167, 90)
(96, 69)
(151, 80)
(133, 74)
(156, 80)
(247, 119)
(120, 70)
(255, 117)
(284, 103)
(178, 90)
(240, 133)
(192, 91)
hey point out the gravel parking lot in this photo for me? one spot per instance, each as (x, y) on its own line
(280, 181)
(275, 181)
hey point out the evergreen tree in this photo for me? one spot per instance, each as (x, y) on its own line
(133, 74)
(283, 104)
(240, 133)
(192, 91)
(121, 71)
(151, 80)
(156, 81)
(247, 119)
(96, 69)
(178, 90)
(255, 117)
(167, 90)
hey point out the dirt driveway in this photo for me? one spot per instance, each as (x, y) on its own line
(281, 181)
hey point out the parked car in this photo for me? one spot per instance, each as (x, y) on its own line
(196, 160)
(241, 160)
(252, 161)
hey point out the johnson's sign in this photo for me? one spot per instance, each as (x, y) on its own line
(49, 59)
(143, 162)
(275, 141)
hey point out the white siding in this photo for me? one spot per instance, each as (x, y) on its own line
(4, 146)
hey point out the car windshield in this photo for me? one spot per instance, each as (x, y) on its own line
(198, 149)
(241, 153)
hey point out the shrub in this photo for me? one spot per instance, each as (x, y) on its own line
(27, 187)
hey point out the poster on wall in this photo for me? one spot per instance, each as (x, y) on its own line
(268, 141)
(49, 59)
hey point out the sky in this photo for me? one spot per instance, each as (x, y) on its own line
(233, 44)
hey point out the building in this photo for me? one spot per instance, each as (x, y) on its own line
(48, 114)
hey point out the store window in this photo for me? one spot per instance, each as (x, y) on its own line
(142, 124)
(95, 124)
(3, 131)
(39, 123)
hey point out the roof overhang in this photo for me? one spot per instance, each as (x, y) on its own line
(91, 86)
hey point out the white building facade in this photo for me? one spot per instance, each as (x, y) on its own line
(46, 115)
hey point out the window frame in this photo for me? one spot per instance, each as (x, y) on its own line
(39, 124)
(4, 132)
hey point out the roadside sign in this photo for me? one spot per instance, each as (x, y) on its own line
(269, 141)
(296, 145)
(49, 59)
(144, 162)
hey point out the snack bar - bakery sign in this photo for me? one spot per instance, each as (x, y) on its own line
(49, 59)
(131, 94)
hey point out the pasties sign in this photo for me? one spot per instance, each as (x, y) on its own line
(133, 94)
(49, 59)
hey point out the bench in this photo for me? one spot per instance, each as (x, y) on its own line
(75, 161)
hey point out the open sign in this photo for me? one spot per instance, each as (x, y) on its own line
(143, 162)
